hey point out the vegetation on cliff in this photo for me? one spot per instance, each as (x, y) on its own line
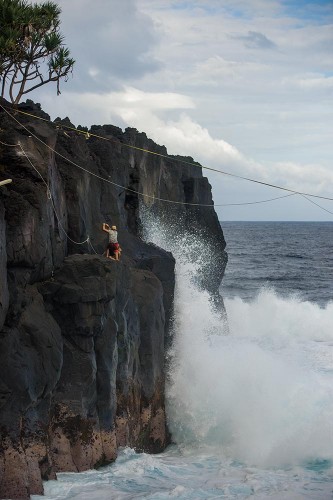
(32, 52)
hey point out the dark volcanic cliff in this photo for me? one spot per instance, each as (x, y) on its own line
(82, 338)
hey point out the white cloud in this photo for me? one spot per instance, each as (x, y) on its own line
(246, 84)
(127, 104)
(217, 70)
(111, 41)
(316, 83)
(185, 136)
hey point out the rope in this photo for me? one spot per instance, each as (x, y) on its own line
(314, 203)
(92, 246)
(216, 205)
(49, 196)
(155, 198)
(255, 202)
(104, 178)
(275, 186)
(138, 192)
(9, 145)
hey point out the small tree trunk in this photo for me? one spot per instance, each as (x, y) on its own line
(22, 86)
(11, 88)
(3, 85)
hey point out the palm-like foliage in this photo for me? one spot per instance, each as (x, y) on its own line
(32, 52)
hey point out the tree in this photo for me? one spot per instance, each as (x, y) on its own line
(32, 52)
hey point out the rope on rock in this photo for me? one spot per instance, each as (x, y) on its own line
(201, 205)
(292, 193)
(275, 186)
(104, 179)
(9, 145)
(92, 246)
(49, 196)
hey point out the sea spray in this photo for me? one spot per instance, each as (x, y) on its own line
(256, 393)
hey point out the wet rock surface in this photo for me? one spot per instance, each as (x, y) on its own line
(82, 337)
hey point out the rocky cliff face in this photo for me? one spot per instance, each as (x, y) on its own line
(82, 337)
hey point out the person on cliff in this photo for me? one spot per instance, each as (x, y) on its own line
(113, 249)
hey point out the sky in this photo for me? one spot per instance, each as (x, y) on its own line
(244, 86)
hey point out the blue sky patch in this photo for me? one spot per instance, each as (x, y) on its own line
(313, 10)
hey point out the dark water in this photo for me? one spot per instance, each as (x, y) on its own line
(289, 257)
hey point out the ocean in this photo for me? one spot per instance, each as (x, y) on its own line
(250, 402)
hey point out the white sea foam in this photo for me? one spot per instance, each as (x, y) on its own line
(251, 410)
(262, 394)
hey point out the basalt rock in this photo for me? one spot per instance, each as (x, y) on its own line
(83, 338)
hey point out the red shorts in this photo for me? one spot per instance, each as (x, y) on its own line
(113, 247)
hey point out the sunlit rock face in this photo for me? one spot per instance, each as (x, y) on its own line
(82, 337)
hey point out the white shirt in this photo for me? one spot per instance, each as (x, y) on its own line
(113, 236)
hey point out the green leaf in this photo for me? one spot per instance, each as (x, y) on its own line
(52, 41)
(31, 45)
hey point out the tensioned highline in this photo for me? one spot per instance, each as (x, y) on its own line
(158, 154)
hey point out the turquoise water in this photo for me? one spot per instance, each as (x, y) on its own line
(190, 474)
(250, 408)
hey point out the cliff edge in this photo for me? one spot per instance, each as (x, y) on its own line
(82, 337)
